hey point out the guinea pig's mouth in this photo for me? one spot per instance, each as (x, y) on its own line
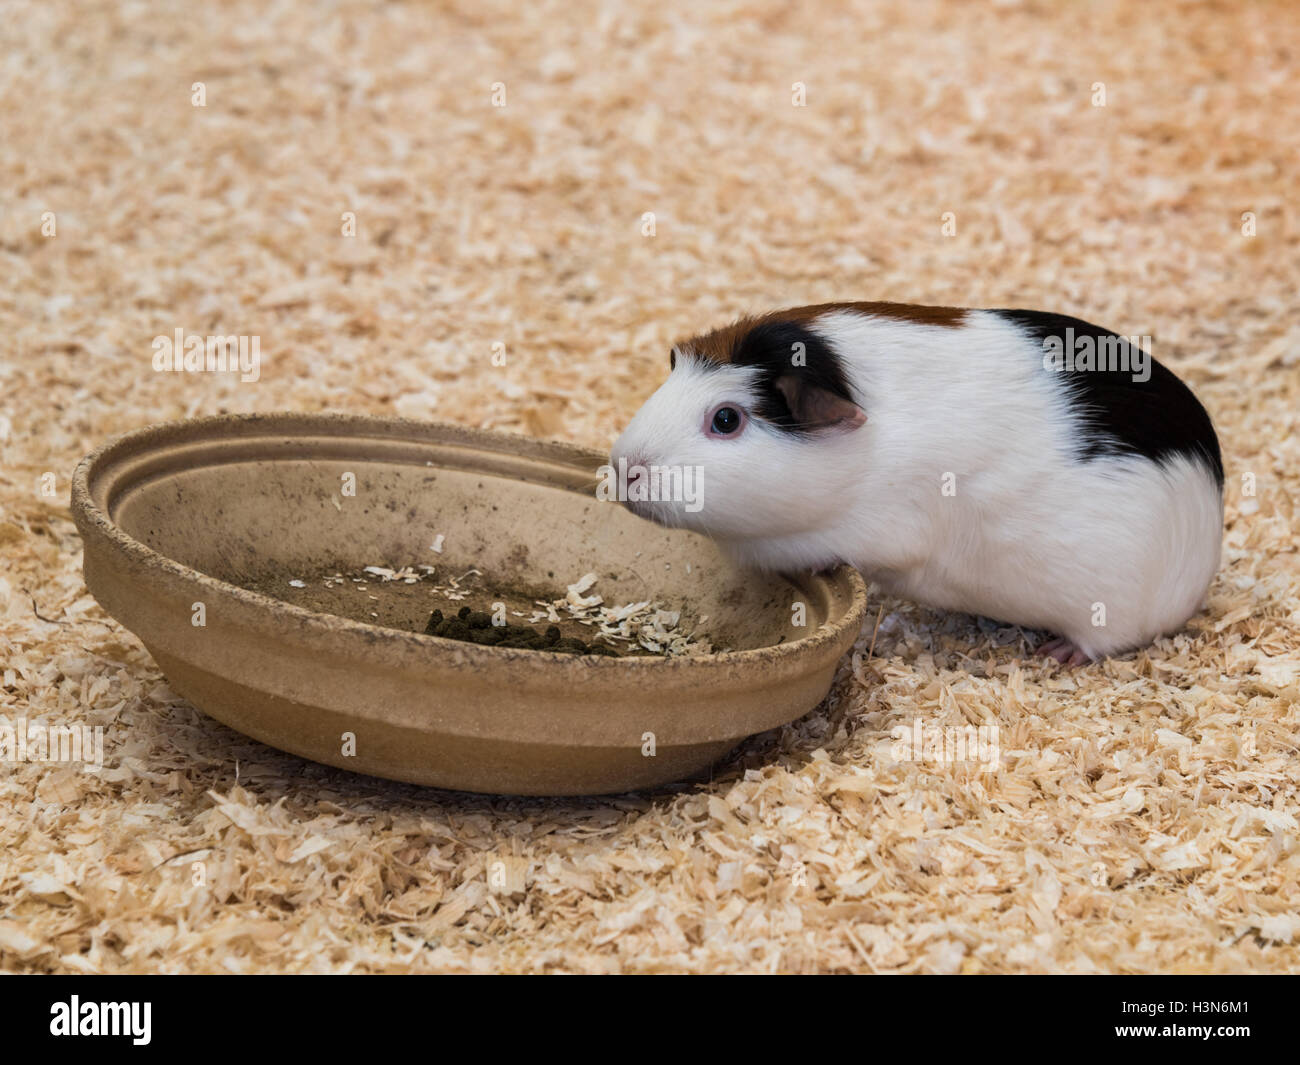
(664, 494)
(659, 513)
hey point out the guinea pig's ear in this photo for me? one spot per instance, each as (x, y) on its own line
(813, 407)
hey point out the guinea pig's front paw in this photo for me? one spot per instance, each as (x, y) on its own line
(1064, 652)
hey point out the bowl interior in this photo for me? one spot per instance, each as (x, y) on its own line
(279, 517)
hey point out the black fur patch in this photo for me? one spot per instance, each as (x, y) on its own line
(771, 347)
(1157, 418)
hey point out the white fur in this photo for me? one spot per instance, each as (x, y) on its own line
(1033, 535)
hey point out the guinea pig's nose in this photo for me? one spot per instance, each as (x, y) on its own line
(636, 473)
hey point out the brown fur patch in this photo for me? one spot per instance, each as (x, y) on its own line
(720, 344)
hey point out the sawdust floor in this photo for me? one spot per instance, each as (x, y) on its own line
(1143, 815)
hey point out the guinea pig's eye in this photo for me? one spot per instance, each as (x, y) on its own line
(726, 421)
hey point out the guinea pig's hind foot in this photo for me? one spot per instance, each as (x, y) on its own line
(1064, 652)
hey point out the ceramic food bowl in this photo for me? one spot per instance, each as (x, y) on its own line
(218, 542)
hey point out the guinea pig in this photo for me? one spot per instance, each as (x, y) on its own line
(1024, 466)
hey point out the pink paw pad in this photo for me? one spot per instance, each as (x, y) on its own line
(1064, 652)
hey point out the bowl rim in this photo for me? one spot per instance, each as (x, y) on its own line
(326, 628)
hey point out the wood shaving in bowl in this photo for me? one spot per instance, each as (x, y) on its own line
(643, 624)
